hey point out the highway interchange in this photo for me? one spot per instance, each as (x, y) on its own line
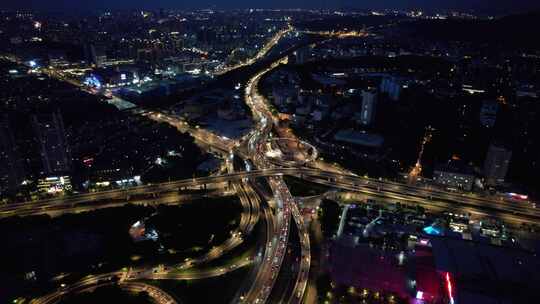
(278, 213)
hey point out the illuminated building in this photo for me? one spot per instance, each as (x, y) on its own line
(54, 184)
(496, 164)
(11, 170)
(92, 81)
(432, 230)
(369, 104)
(454, 175)
(472, 90)
(111, 78)
(392, 86)
(476, 272)
(57, 58)
(139, 232)
(425, 281)
(488, 113)
(51, 137)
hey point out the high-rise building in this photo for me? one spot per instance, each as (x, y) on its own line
(391, 85)
(148, 55)
(488, 113)
(11, 168)
(302, 55)
(176, 44)
(369, 105)
(496, 164)
(95, 55)
(51, 136)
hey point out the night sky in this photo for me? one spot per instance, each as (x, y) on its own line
(498, 5)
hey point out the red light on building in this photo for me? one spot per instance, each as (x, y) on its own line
(88, 161)
(449, 288)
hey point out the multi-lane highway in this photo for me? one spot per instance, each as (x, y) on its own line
(261, 53)
(249, 217)
(91, 282)
(258, 152)
(168, 192)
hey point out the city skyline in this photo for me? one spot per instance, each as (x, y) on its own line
(499, 6)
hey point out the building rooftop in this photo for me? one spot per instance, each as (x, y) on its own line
(455, 166)
(488, 274)
(360, 138)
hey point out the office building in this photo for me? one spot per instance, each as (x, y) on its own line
(11, 168)
(391, 85)
(496, 164)
(54, 184)
(454, 175)
(488, 113)
(95, 55)
(369, 105)
(51, 137)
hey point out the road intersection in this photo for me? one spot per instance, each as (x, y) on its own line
(278, 215)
